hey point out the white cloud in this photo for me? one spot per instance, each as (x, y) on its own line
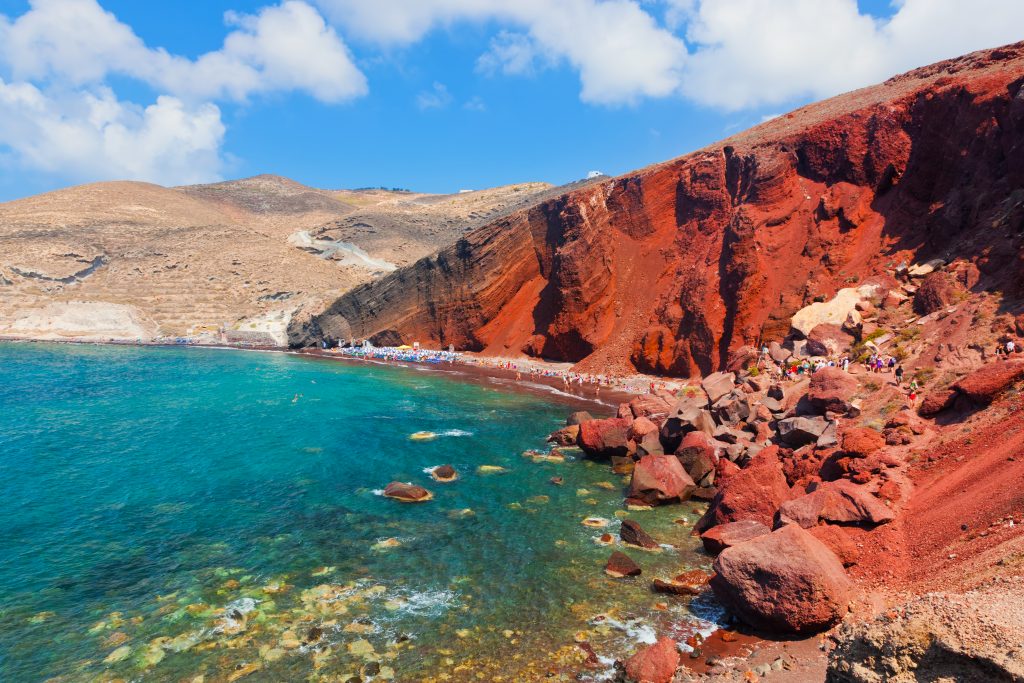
(747, 53)
(619, 50)
(281, 48)
(94, 136)
(437, 97)
(58, 115)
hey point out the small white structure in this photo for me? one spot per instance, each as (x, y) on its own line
(594, 174)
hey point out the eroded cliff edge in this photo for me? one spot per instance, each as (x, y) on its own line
(670, 269)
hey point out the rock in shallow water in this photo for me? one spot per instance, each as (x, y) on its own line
(407, 493)
(620, 565)
(654, 664)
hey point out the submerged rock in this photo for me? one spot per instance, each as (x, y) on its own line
(407, 493)
(689, 583)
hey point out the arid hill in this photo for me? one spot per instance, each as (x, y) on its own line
(128, 260)
(674, 267)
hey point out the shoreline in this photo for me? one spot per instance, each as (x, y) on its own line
(485, 370)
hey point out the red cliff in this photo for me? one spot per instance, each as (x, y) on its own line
(670, 268)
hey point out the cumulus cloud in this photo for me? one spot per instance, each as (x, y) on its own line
(282, 47)
(619, 50)
(747, 53)
(737, 53)
(95, 136)
(59, 114)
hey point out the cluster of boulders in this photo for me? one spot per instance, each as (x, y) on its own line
(785, 478)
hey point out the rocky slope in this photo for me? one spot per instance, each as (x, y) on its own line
(672, 268)
(128, 260)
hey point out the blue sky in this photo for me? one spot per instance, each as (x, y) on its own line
(432, 95)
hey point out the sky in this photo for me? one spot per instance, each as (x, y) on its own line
(432, 95)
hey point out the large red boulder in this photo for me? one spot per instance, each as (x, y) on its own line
(827, 339)
(838, 502)
(936, 401)
(660, 479)
(718, 538)
(831, 389)
(650, 406)
(654, 664)
(860, 442)
(755, 493)
(937, 291)
(606, 438)
(985, 385)
(786, 582)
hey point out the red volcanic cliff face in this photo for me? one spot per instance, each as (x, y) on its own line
(669, 269)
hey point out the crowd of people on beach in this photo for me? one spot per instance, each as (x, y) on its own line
(789, 370)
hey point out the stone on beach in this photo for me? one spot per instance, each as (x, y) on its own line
(786, 582)
(718, 384)
(660, 479)
(754, 492)
(605, 438)
(654, 664)
(407, 493)
(688, 583)
(838, 502)
(620, 565)
(718, 538)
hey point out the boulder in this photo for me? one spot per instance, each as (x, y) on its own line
(778, 353)
(407, 493)
(660, 479)
(654, 664)
(785, 582)
(718, 384)
(837, 502)
(718, 538)
(938, 291)
(650, 444)
(620, 565)
(754, 493)
(641, 426)
(983, 386)
(829, 340)
(578, 417)
(444, 473)
(860, 442)
(631, 533)
(799, 431)
(828, 438)
(566, 436)
(697, 455)
(606, 438)
(741, 358)
(936, 401)
(831, 389)
(656, 408)
(689, 583)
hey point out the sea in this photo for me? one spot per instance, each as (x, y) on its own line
(188, 514)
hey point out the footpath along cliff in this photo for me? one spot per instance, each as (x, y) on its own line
(671, 269)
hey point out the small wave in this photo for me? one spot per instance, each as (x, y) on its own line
(427, 602)
(377, 492)
(456, 432)
(243, 605)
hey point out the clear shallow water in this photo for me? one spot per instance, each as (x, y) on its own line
(170, 513)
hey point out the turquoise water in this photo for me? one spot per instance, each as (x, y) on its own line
(174, 513)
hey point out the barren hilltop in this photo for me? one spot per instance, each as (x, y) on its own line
(129, 260)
